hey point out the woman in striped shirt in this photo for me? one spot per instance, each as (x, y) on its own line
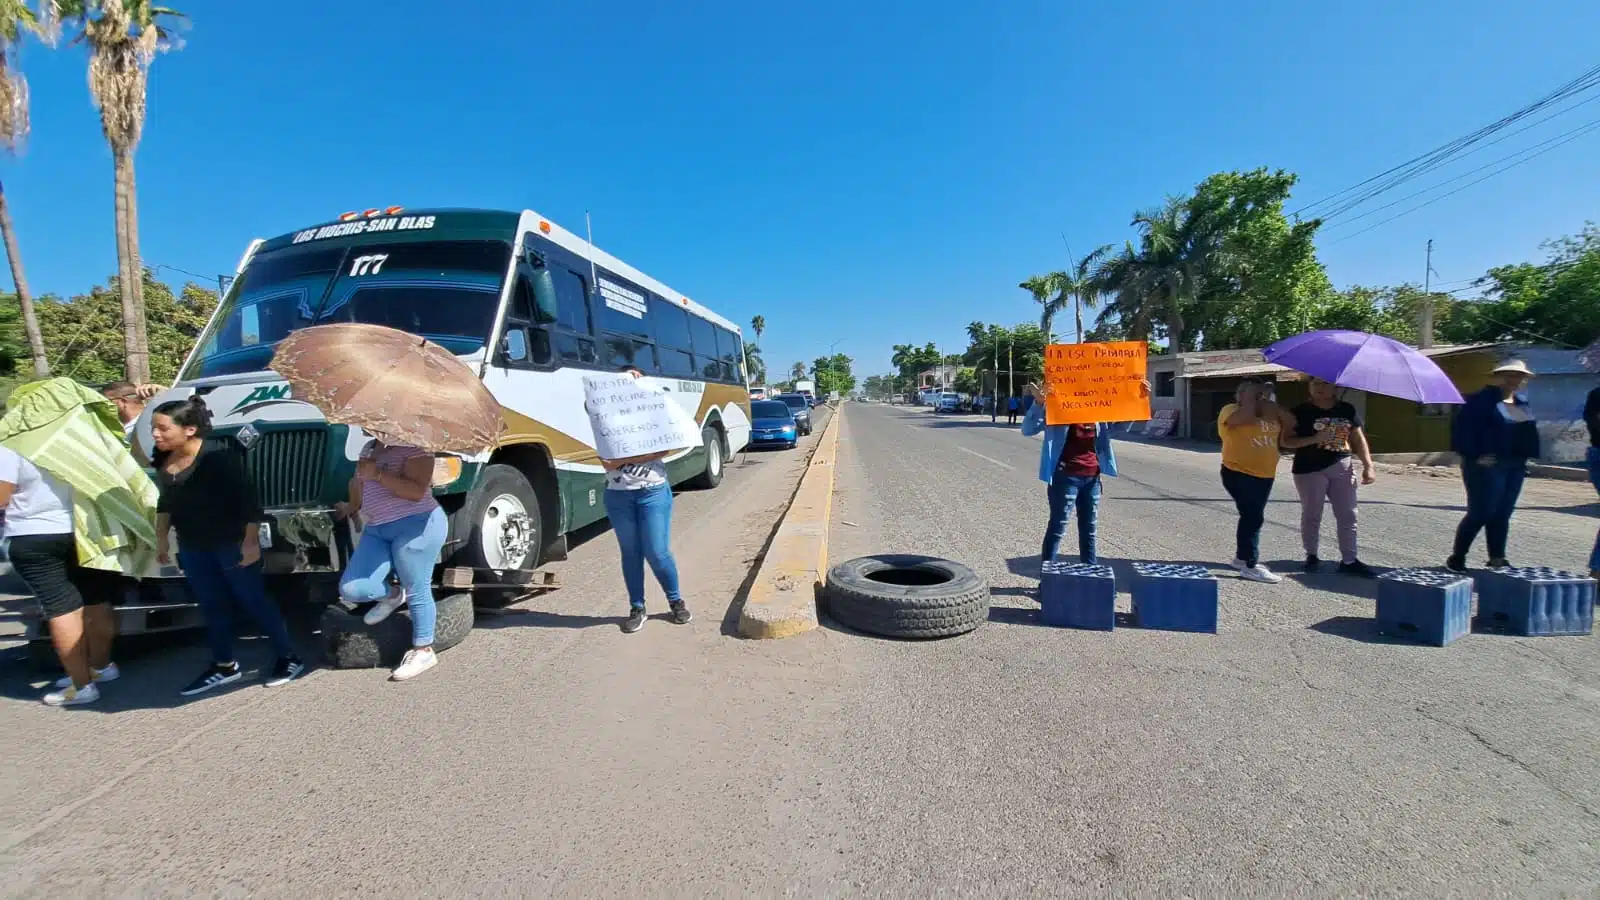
(404, 531)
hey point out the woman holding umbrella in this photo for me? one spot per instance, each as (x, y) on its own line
(1326, 430)
(417, 399)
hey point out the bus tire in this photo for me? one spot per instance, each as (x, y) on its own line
(502, 524)
(350, 643)
(716, 454)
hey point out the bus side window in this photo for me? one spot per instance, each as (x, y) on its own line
(534, 343)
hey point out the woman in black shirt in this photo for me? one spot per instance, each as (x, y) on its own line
(1326, 431)
(207, 498)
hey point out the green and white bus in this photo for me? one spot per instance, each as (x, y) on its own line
(526, 304)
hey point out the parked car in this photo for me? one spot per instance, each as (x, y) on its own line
(800, 405)
(772, 424)
(947, 402)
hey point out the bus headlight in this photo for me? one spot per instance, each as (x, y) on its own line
(446, 469)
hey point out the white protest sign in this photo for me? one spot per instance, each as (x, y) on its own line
(631, 418)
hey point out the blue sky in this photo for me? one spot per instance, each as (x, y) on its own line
(863, 173)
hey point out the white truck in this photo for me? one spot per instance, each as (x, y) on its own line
(809, 388)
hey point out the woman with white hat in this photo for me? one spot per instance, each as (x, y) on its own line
(1495, 435)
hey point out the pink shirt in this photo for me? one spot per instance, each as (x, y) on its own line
(378, 505)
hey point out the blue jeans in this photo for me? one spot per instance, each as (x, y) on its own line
(411, 547)
(218, 582)
(1492, 493)
(1250, 494)
(1067, 492)
(1594, 479)
(642, 521)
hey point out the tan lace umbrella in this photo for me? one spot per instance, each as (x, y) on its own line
(401, 388)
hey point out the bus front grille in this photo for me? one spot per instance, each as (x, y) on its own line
(288, 467)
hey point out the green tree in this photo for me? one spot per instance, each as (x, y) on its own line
(1558, 301)
(966, 382)
(755, 368)
(833, 374)
(123, 37)
(911, 360)
(16, 21)
(1080, 287)
(1044, 289)
(797, 371)
(84, 335)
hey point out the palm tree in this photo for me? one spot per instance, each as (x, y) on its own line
(17, 20)
(758, 324)
(797, 371)
(753, 364)
(1122, 277)
(123, 37)
(1080, 286)
(1044, 288)
(1178, 246)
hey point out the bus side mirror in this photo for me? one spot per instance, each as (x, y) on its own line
(544, 297)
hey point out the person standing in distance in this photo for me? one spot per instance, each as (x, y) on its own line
(638, 500)
(207, 498)
(1325, 432)
(1250, 429)
(1495, 435)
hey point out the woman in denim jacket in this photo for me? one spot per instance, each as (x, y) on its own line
(1071, 460)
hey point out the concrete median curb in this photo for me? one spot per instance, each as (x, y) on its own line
(782, 601)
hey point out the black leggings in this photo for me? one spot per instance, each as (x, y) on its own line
(49, 564)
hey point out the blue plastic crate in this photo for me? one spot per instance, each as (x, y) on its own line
(1428, 605)
(1536, 601)
(1076, 595)
(1174, 597)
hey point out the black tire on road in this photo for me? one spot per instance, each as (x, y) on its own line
(349, 643)
(716, 455)
(501, 512)
(906, 596)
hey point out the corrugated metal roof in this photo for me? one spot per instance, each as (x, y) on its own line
(1240, 371)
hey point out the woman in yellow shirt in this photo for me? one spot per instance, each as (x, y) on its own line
(1250, 428)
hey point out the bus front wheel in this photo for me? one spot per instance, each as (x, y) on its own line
(502, 522)
(711, 442)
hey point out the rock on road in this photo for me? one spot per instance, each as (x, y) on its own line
(552, 755)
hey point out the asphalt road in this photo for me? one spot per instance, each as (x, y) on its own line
(1294, 752)
(552, 755)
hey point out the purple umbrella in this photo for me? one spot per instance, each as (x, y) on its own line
(1366, 362)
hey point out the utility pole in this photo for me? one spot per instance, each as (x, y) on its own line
(1426, 337)
(1011, 368)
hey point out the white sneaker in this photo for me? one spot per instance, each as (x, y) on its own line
(98, 676)
(382, 609)
(1260, 573)
(71, 696)
(415, 663)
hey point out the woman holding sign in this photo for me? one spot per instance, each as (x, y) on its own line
(1071, 460)
(639, 504)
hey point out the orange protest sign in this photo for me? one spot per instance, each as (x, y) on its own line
(1095, 383)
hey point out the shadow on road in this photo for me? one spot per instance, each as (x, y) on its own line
(1365, 630)
(1327, 580)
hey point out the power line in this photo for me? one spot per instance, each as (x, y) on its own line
(1418, 165)
(1573, 134)
(1407, 212)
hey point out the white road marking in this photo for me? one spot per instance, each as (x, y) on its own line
(988, 458)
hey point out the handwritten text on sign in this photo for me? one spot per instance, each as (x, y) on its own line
(1095, 383)
(631, 418)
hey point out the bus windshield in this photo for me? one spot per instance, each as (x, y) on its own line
(445, 291)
